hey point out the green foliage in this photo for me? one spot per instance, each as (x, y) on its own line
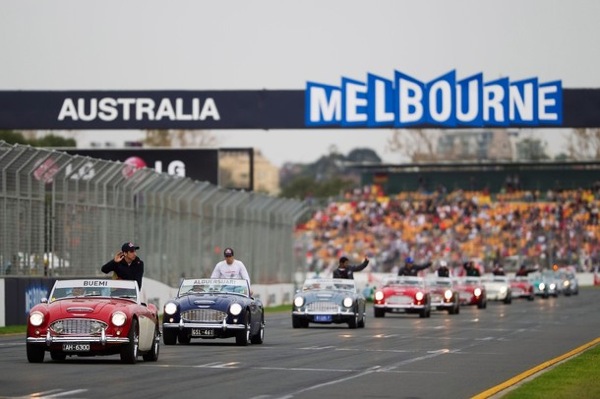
(303, 187)
(50, 140)
(54, 141)
(12, 137)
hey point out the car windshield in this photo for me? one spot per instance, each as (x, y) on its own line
(404, 281)
(472, 281)
(69, 289)
(440, 282)
(335, 284)
(213, 286)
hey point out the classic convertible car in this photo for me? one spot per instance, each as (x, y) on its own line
(471, 291)
(329, 301)
(208, 308)
(521, 287)
(444, 295)
(403, 294)
(497, 288)
(92, 317)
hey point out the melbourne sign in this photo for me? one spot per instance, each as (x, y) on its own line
(405, 101)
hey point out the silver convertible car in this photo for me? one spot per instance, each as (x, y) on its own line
(329, 301)
(209, 308)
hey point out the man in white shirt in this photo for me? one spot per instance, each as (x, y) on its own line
(230, 268)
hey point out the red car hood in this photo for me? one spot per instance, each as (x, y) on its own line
(407, 291)
(93, 308)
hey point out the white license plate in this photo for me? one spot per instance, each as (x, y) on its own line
(76, 347)
(202, 332)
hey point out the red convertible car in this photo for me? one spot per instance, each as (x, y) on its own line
(444, 295)
(471, 291)
(521, 287)
(92, 317)
(403, 294)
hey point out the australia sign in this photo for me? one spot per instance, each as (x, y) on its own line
(397, 101)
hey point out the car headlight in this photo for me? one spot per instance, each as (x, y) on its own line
(552, 286)
(235, 309)
(36, 318)
(477, 291)
(566, 283)
(419, 296)
(448, 294)
(298, 301)
(503, 290)
(170, 308)
(118, 318)
(542, 286)
(379, 296)
(347, 302)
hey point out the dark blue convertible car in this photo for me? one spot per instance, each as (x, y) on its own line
(213, 308)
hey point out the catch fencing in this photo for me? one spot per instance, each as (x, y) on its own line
(66, 215)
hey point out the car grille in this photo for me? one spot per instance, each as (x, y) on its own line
(322, 307)
(204, 315)
(399, 300)
(78, 326)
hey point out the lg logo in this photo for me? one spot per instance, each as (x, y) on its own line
(130, 165)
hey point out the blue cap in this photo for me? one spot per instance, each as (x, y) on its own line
(408, 260)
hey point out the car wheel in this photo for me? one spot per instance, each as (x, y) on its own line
(259, 337)
(363, 321)
(129, 351)
(35, 353)
(152, 356)
(169, 337)
(379, 312)
(353, 322)
(242, 338)
(58, 356)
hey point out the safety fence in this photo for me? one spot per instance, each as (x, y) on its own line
(66, 215)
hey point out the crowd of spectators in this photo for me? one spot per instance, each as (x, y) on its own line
(556, 227)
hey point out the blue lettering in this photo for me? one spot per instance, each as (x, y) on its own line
(444, 102)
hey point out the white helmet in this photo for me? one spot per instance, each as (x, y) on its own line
(443, 263)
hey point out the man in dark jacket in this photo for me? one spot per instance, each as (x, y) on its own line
(126, 265)
(344, 270)
(410, 269)
(471, 269)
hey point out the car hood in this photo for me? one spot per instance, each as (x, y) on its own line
(325, 295)
(96, 308)
(212, 301)
(399, 290)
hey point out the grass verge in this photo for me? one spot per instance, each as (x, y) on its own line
(575, 378)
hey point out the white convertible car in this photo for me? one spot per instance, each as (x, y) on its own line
(498, 288)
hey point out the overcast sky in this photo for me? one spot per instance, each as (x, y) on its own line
(275, 44)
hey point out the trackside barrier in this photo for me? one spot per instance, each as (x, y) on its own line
(66, 215)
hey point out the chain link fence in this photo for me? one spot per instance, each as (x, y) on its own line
(66, 215)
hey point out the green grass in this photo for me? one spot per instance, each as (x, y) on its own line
(13, 330)
(578, 377)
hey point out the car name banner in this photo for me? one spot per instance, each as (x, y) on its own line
(378, 102)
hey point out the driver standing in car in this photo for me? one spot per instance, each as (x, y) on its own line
(231, 268)
(126, 265)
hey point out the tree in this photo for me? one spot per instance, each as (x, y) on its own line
(584, 144)
(50, 140)
(180, 138)
(414, 144)
(12, 137)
